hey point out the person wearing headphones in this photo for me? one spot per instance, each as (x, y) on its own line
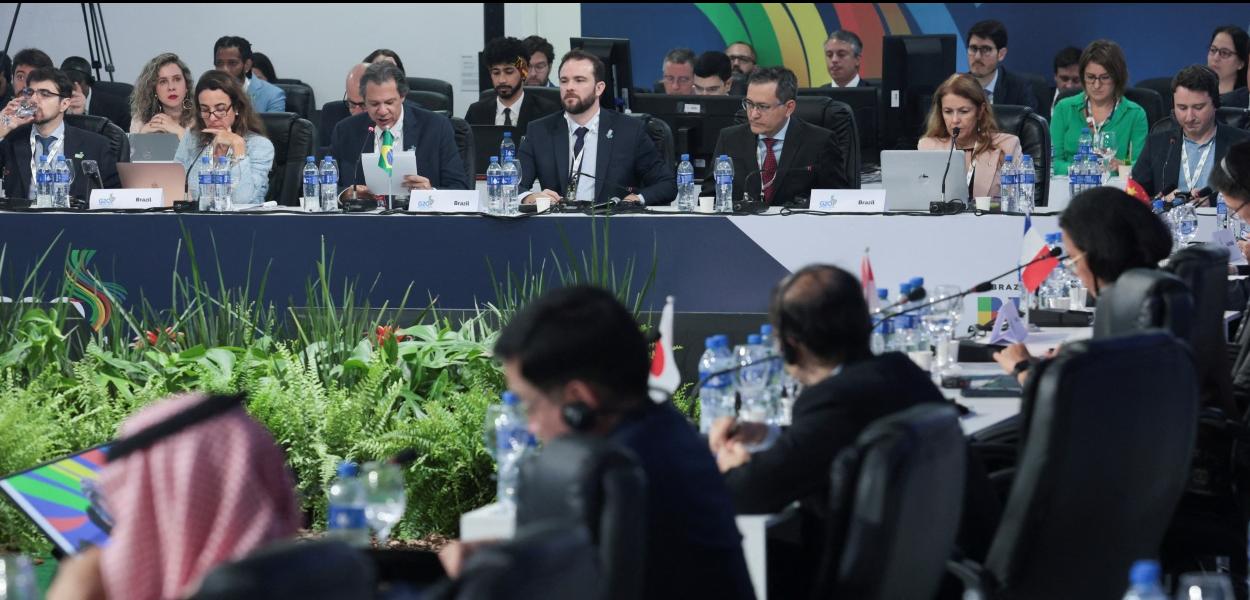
(822, 324)
(578, 362)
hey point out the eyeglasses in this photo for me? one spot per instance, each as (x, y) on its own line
(1093, 79)
(219, 112)
(44, 94)
(1224, 53)
(733, 58)
(682, 80)
(981, 50)
(351, 105)
(749, 106)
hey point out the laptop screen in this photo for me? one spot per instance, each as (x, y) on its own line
(62, 499)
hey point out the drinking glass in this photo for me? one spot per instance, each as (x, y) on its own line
(941, 321)
(385, 497)
(1204, 586)
(26, 108)
(17, 578)
(1107, 144)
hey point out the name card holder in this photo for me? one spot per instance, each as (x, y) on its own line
(130, 198)
(848, 201)
(444, 201)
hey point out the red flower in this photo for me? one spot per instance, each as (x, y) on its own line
(383, 332)
(152, 336)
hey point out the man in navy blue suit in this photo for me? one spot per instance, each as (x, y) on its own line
(589, 154)
(388, 117)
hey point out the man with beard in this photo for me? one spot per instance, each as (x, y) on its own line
(1168, 164)
(47, 135)
(233, 55)
(987, 48)
(541, 55)
(587, 154)
(508, 64)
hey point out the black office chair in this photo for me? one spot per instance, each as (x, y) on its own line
(119, 143)
(1109, 426)
(431, 101)
(292, 570)
(1233, 116)
(661, 135)
(300, 99)
(1042, 92)
(1034, 134)
(551, 95)
(436, 86)
(293, 139)
(840, 119)
(1204, 269)
(1161, 86)
(278, 80)
(331, 114)
(465, 144)
(895, 504)
(591, 482)
(549, 560)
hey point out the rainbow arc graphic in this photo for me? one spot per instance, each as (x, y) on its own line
(87, 289)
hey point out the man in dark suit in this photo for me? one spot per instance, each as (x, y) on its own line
(1067, 66)
(778, 158)
(842, 54)
(50, 91)
(508, 64)
(333, 112)
(113, 108)
(611, 153)
(822, 324)
(541, 54)
(987, 48)
(387, 118)
(1181, 160)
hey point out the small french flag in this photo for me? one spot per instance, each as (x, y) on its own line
(1032, 248)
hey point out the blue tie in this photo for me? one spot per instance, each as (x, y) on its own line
(46, 142)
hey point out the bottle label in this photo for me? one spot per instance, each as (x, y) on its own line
(723, 179)
(346, 517)
(310, 180)
(509, 154)
(330, 178)
(685, 178)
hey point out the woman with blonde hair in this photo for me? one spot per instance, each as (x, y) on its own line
(161, 101)
(960, 104)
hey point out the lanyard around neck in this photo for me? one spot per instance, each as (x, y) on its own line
(52, 150)
(1096, 128)
(1192, 180)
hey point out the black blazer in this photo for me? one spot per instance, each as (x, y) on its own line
(828, 417)
(1010, 89)
(430, 134)
(627, 161)
(533, 108)
(1239, 98)
(111, 107)
(331, 114)
(15, 158)
(810, 159)
(1163, 148)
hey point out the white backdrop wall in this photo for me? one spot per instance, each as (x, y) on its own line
(556, 22)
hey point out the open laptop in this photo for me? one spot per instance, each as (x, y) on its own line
(169, 176)
(486, 140)
(153, 147)
(913, 178)
(62, 498)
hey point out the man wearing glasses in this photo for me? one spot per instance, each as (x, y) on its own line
(778, 158)
(333, 112)
(678, 71)
(987, 48)
(28, 138)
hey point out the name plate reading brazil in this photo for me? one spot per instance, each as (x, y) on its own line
(848, 201)
(444, 201)
(126, 199)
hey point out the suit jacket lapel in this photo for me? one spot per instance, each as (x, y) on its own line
(22, 153)
(790, 148)
(559, 131)
(607, 119)
(412, 130)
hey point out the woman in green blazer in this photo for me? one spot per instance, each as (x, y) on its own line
(1100, 107)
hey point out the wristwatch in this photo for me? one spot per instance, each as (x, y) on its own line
(1021, 367)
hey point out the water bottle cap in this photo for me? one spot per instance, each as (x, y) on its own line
(204, 160)
(1024, 157)
(753, 339)
(1144, 572)
(883, 294)
(904, 288)
(1007, 158)
(709, 342)
(348, 469)
(1178, 202)
(685, 157)
(1053, 238)
(766, 329)
(1157, 204)
(722, 340)
(510, 399)
(1084, 130)
(494, 159)
(917, 282)
(507, 134)
(724, 157)
(311, 159)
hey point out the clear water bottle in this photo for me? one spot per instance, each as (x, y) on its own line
(312, 185)
(753, 380)
(1221, 212)
(1008, 188)
(1085, 143)
(346, 514)
(225, 187)
(43, 182)
(876, 343)
(729, 388)
(507, 149)
(687, 195)
(776, 372)
(712, 392)
(206, 192)
(1185, 222)
(511, 439)
(494, 187)
(1143, 582)
(920, 333)
(329, 185)
(60, 185)
(512, 180)
(1054, 290)
(1093, 171)
(1026, 179)
(1074, 177)
(724, 174)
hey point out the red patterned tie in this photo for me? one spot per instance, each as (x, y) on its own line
(768, 174)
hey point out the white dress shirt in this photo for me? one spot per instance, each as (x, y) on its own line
(590, 150)
(516, 109)
(853, 83)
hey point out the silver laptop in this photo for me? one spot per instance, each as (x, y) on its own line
(169, 176)
(913, 178)
(153, 147)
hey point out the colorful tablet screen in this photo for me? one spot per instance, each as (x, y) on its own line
(61, 497)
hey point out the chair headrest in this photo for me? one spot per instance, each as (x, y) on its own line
(1144, 299)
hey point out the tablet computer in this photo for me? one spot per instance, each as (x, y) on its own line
(1001, 386)
(61, 497)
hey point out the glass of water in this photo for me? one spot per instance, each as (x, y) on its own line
(17, 578)
(1204, 586)
(1107, 144)
(385, 496)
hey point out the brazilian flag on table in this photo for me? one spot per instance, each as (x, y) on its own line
(386, 156)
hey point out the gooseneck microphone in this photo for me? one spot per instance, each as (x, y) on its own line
(356, 171)
(1163, 187)
(949, 156)
(91, 169)
(916, 294)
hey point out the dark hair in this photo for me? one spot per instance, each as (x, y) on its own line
(387, 53)
(787, 83)
(78, 65)
(64, 86)
(848, 37)
(1068, 57)
(505, 51)
(822, 307)
(234, 41)
(1199, 78)
(247, 120)
(1116, 231)
(991, 30)
(679, 56)
(382, 72)
(713, 62)
(262, 62)
(32, 57)
(6, 65)
(579, 333)
(1241, 44)
(78, 78)
(1107, 54)
(535, 43)
(579, 54)
(1231, 176)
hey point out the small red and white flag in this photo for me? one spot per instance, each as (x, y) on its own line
(1033, 248)
(664, 379)
(869, 282)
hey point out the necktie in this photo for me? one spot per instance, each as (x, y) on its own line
(46, 142)
(385, 152)
(575, 167)
(989, 95)
(507, 117)
(769, 171)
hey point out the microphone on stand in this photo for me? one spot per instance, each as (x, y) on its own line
(356, 172)
(915, 295)
(1164, 190)
(950, 155)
